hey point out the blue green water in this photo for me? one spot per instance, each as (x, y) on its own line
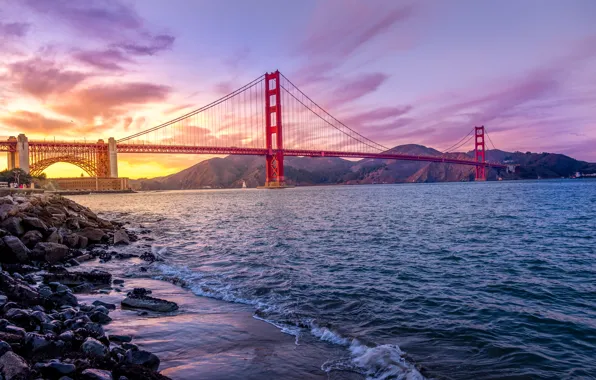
(491, 280)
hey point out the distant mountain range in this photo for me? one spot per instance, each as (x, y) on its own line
(231, 171)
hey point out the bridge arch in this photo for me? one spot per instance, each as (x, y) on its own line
(87, 165)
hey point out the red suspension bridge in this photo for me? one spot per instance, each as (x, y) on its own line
(269, 116)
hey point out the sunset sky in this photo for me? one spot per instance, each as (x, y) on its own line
(526, 69)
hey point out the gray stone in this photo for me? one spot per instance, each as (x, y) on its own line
(51, 252)
(7, 210)
(31, 238)
(4, 347)
(55, 237)
(109, 306)
(121, 237)
(96, 374)
(13, 225)
(94, 348)
(94, 235)
(148, 303)
(142, 358)
(35, 224)
(83, 242)
(55, 368)
(71, 240)
(102, 309)
(120, 338)
(15, 251)
(13, 367)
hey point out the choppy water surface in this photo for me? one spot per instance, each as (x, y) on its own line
(463, 280)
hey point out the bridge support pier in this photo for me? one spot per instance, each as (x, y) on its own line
(22, 153)
(273, 131)
(11, 155)
(113, 157)
(480, 153)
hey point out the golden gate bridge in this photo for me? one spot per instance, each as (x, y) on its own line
(269, 117)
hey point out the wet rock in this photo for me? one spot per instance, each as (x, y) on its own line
(101, 309)
(94, 348)
(13, 225)
(120, 338)
(121, 237)
(143, 301)
(4, 347)
(79, 278)
(71, 240)
(96, 374)
(37, 344)
(64, 298)
(11, 338)
(13, 367)
(55, 368)
(31, 238)
(50, 252)
(142, 358)
(109, 306)
(118, 281)
(84, 288)
(67, 336)
(15, 250)
(95, 330)
(100, 317)
(18, 290)
(94, 235)
(31, 223)
(3, 300)
(84, 257)
(137, 372)
(83, 242)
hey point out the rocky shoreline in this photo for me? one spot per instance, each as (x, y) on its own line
(45, 333)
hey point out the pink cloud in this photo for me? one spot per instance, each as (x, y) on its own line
(381, 113)
(109, 59)
(354, 89)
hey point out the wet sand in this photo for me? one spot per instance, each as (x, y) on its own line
(211, 339)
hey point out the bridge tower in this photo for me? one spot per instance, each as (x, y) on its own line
(480, 153)
(23, 152)
(273, 131)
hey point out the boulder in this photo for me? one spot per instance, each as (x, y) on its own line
(13, 367)
(109, 306)
(31, 223)
(94, 348)
(71, 240)
(55, 237)
(31, 238)
(142, 358)
(55, 369)
(51, 252)
(96, 374)
(94, 235)
(4, 347)
(13, 225)
(121, 237)
(100, 317)
(15, 250)
(120, 338)
(36, 344)
(8, 209)
(136, 301)
(83, 242)
(18, 290)
(78, 278)
(64, 298)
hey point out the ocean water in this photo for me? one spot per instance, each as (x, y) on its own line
(492, 280)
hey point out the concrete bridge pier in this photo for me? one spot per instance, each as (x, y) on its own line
(113, 157)
(22, 152)
(11, 157)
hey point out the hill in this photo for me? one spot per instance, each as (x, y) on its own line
(231, 171)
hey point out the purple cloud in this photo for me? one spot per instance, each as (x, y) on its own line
(152, 46)
(351, 90)
(111, 59)
(14, 29)
(377, 114)
(41, 78)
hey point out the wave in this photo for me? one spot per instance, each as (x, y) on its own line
(376, 362)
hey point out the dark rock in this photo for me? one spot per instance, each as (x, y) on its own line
(94, 349)
(4, 347)
(143, 358)
(35, 224)
(67, 336)
(11, 338)
(8, 209)
(50, 252)
(84, 288)
(79, 278)
(137, 372)
(148, 303)
(19, 268)
(31, 238)
(3, 300)
(84, 257)
(38, 345)
(139, 292)
(100, 317)
(55, 369)
(20, 318)
(40, 317)
(95, 330)
(96, 374)
(15, 250)
(72, 223)
(55, 237)
(121, 238)
(83, 242)
(120, 338)
(63, 298)
(13, 225)
(18, 290)
(101, 309)
(94, 235)
(109, 306)
(71, 240)
(13, 367)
